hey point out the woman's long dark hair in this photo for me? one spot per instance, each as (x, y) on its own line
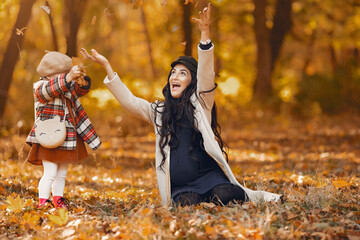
(173, 110)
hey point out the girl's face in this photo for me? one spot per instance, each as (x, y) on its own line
(180, 78)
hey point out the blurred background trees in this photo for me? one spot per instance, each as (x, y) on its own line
(301, 56)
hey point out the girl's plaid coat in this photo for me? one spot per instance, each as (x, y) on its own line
(50, 97)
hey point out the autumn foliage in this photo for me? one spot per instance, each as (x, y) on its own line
(314, 164)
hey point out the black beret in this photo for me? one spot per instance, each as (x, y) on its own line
(188, 61)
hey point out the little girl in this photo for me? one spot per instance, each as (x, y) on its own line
(57, 94)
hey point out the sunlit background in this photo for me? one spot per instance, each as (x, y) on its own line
(316, 71)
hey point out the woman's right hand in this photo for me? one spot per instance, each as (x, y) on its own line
(95, 56)
(204, 21)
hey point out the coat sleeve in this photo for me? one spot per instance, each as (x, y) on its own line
(45, 91)
(137, 106)
(82, 90)
(206, 76)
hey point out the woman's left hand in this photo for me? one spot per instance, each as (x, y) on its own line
(95, 56)
(204, 22)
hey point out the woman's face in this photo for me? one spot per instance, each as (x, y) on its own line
(180, 78)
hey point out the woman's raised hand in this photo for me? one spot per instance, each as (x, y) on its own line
(98, 58)
(204, 22)
(95, 56)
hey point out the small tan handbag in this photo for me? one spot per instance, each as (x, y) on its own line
(51, 133)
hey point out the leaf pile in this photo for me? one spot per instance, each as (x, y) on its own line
(113, 194)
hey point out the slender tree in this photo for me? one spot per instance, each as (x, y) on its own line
(148, 41)
(12, 52)
(269, 42)
(53, 32)
(187, 27)
(74, 11)
(216, 35)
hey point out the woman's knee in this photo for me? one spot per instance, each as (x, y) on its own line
(189, 198)
(225, 193)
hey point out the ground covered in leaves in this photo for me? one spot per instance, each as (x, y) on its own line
(313, 163)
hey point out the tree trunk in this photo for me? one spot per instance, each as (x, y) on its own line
(151, 59)
(74, 10)
(332, 58)
(309, 52)
(187, 28)
(269, 44)
(282, 25)
(216, 36)
(53, 32)
(262, 86)
(12, 52)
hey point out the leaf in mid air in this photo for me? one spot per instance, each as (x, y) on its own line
(20, 32)
(46, 9)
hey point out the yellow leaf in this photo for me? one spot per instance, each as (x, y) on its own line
(77, 61)
(93, 20)
(79, 210)
(146, 211)
(62, 219)
(209, 229)
(29, 202)
(30, 220)
(340, 183)
(14, 219)
(20, 32)
(15, 204)
(2, 191)
(106, 145)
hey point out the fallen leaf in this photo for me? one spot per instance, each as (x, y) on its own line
(209, 230)
(30, 220)
(68, 232)
(15, 204)
(340, 183)
(60, 219)
(2, 191)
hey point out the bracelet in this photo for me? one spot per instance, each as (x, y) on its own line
(205, 42)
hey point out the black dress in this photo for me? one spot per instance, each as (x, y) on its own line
(192, 171)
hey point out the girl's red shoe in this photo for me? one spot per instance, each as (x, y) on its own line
(61, 202)
(43, 202)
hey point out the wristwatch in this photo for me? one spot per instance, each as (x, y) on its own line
(205, 42)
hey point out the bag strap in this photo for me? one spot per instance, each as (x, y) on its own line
(68, 104)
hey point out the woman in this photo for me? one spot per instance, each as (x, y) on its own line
(190, 158)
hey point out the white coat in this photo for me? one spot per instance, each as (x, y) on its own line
(202, 114)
